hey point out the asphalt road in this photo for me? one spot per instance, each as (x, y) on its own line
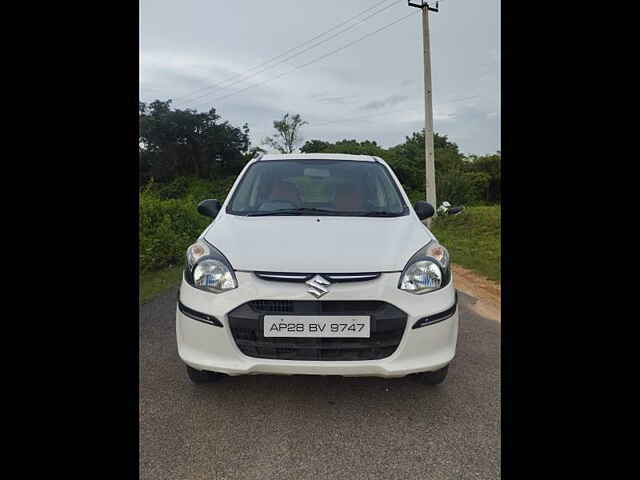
(307, 427)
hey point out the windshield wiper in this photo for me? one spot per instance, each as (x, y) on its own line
(379, 214)
(322, 211)
(294, 211)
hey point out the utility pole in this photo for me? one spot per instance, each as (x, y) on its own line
(430, 169)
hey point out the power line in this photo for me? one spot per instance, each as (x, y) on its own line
(240, 75)
(232, 84)
(312, 61)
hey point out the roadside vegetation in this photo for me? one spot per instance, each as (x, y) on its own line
(186, 156)
(473, 239)
(169, 221)
(157, 281)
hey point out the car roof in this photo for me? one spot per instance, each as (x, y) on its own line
(316, 156)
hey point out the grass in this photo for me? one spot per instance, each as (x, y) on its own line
(154, 282)
(473, 239)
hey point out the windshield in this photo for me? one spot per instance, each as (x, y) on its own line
(317, 187)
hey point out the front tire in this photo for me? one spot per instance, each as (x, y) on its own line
(433, 378)
(200, 376)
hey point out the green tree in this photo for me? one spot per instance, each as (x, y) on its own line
(459, 179)
(410, 164)
(175, 142)
(491, 166)
(354, 147)
(314, 146)
(288, 133)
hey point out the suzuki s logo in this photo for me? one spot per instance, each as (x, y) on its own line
(318, 285)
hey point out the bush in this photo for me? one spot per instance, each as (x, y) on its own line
(166, 229)
(175, 189)
(457, 188)
(415, 195)
(473, 239)
(169, 221)
(462, 188)
(197, 189)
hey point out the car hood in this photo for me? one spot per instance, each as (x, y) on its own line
(320, 244)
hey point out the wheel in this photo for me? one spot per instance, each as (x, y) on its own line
(200, 376)
(433, 378)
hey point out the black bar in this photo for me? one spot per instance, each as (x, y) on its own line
(200, 317)
(438, 317)
(433, 9)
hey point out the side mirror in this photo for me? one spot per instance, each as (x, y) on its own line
(209, 208)
(424, 210)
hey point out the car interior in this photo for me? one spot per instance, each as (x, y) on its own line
(338, 188)
(348, 196)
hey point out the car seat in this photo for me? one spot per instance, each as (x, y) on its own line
(349, 197)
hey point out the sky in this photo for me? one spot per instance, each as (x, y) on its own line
(255, 60)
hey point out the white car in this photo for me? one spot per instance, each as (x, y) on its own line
(317, 264)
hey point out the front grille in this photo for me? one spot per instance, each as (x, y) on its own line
(272, 306)
(387, 326)
(303, 277)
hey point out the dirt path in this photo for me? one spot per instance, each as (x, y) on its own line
(485, 291)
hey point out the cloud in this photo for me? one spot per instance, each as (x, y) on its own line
(333, 100)
(473, 125)
(387, 102)
(377, 84)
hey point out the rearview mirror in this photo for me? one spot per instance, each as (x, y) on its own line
(424, 210)
(209, 208)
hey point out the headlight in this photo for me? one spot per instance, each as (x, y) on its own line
(207, 269)
(437, 251)
(213, 275)
(196, 251)
(421, 277)
(427, 270)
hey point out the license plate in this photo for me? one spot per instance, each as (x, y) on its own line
(354, 326)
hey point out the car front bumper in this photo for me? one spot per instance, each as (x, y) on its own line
(209, 347)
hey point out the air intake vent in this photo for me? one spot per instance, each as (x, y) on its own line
(272, 306)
